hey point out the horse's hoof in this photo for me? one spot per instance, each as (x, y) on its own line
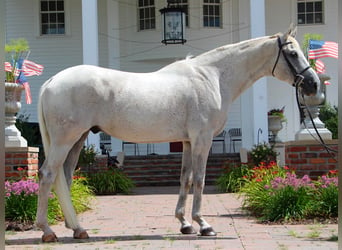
(49, 238)
(188, 230)
(81, 235)
(209, 231)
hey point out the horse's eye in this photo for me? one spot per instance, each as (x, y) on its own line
(294, 54)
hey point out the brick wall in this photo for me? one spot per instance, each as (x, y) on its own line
(100, 165)
(309, 157)
(21, 158)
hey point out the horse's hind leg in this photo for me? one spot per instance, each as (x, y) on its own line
(186, 182)
(47, 176)
(69, 168)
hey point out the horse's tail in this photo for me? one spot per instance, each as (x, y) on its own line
(42, 125)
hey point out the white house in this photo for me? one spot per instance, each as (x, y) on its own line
(126, 35)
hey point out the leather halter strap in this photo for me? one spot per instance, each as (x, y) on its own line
(298, 77)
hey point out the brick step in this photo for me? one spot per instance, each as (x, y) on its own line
(164, 170)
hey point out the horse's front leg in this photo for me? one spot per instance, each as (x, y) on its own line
(200, 154)
(186, 182)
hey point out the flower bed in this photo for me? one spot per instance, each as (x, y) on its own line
(21, 202)
(274, 193)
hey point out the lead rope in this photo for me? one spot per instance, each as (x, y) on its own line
(329, 150)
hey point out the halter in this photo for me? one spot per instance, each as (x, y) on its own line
(298, 77)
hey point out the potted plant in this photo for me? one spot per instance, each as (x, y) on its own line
(276, 117)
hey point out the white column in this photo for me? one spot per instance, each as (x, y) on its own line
(254, 100)
(90, 48)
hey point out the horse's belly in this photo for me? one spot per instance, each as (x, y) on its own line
(149, 134)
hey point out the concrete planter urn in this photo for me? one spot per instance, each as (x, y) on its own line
(313, 104)
(13, 136)
(275, 124)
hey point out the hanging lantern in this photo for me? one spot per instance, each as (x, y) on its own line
(173, 24)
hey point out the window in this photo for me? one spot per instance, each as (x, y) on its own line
(309, 12)
(211, 13)
(184, 5)
(147, 15)
(52, 17)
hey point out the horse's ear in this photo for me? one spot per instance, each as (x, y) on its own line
(292, 31)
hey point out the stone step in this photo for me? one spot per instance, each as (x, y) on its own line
(164, 170)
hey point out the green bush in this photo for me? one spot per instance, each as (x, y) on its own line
(329, 116)
(110, 182)
(21, 200)
(262, 152)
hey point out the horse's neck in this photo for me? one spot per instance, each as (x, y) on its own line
(242, 64)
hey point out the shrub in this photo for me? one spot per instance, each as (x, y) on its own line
(329, 116)
(262, 152)
(110, 182)
(87, 156)
(233, 178)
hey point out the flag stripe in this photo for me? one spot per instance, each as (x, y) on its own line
(27, 93)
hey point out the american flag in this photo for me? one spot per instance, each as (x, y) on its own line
(319, 49)
(29, 68)
(320, 69)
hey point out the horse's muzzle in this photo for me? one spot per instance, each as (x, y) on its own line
(310, 83)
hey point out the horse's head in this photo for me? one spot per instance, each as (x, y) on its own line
(292, 66)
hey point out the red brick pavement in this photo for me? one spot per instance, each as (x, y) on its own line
(146, 220)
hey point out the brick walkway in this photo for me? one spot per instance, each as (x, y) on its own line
(146, 220)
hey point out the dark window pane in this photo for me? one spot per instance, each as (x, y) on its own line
(211, 10)
(205, 21)
(309, 18)
(147, 12)
(211, 21)
(44, 29)
(147, 24)
(301, 7)
(45, 18)
(53, 29)
(152, 13)
(145, 2)
(318, 6)
(217, 22)
(53, 17)
(318, 18)
(141, 2)
(60, 5)
(141, 13)
(301, 18)
(61, 29)
(205, 10)
(60, 17)
(52, 5)
(43, 5)
(217, 10)
(309, 7)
